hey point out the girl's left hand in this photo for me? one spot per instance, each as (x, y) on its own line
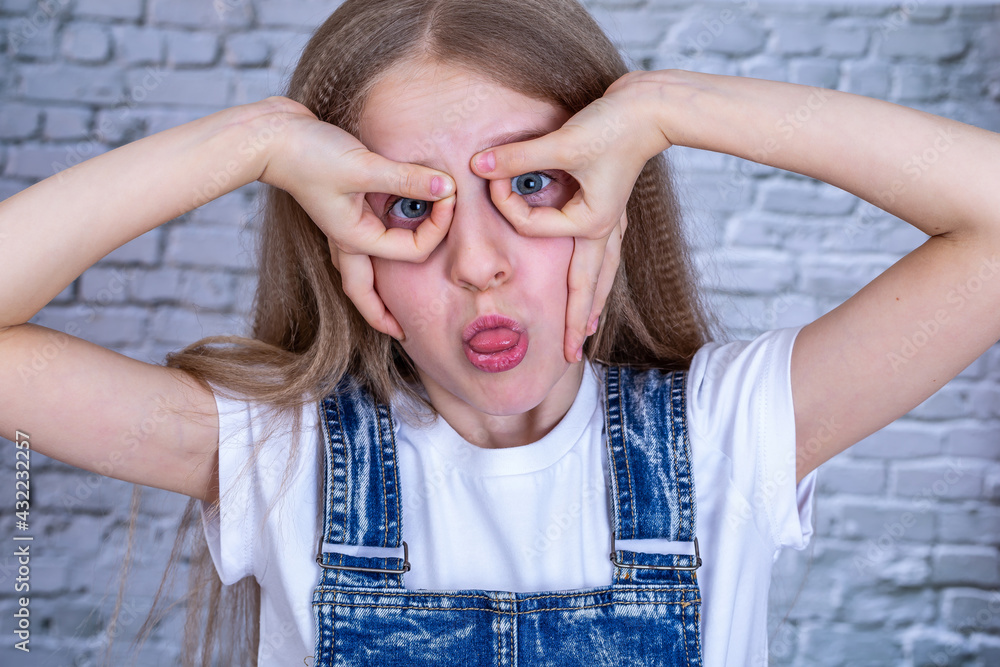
(604, 147)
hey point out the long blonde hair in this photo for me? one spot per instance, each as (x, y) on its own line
(307, 333)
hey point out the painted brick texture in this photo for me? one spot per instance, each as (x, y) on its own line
(903, 569)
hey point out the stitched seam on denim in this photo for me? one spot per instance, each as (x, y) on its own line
(343, 439)
(628, 468)
(513, 642)
(687, 658)
(381, 471)
(685, 604)
(687, 474)
(612, 460)
(674, 530)
(399, 492)
(648, 589)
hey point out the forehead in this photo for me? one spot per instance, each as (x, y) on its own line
(430, 112)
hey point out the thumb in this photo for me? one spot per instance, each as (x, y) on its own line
(522, 157)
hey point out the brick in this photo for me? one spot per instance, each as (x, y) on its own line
(745, 274)
(821, 72)
(247, 50)
(974, 525)
(837, 276)
(144, 249)
(188, 87)
(162, 284)
(975, 441)
(899, 440)
(41, 161)
(18, 121)
(844, 42)
(86, 42)
(72, 83)
(139, 45)
(208, 247)
(796, 37)
(948, 403)
(807, 199)
(939, 479)
(202, 14)
(867, 78)
(32, 38)
(304, 15)
(933, 648)
(828, 644)
(253, 85)
(885, 523)
(207, 290)
(182, 327)
(100, 285)
(900, 609)
(130, 10)
(726, 32)
(965, 565)
(188, 48)
(922, 42)
(846, 476)
(67, 123)
(627, 28)
(920, 83)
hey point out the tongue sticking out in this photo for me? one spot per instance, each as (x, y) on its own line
(494, 340)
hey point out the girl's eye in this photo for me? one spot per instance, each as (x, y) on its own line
(529, 184)
(410, 208)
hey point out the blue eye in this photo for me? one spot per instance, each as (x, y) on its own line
(410, 208)
(529, 184)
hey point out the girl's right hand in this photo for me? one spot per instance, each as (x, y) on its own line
(329, 172)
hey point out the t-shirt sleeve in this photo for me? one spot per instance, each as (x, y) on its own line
(230, 532)
(740, 404)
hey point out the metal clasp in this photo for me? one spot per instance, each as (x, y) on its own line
(405, 568)
(697, 563)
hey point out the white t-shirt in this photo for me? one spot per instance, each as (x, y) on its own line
(535, 517)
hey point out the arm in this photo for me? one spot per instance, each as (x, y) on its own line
(859, 367)
(927, 317)
(143, 423)
(82, 404)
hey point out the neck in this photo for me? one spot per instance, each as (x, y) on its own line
(491, 431)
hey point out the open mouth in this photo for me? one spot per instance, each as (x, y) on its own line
(495, 343)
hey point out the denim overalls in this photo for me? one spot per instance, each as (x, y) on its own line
(649, 615)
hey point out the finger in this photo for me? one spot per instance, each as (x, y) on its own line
(532, 220)
(358, 278)
(609, 269)
(584, 269)
(403, 179)
(514, 159)
(371, 237)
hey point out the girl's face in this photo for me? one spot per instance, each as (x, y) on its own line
(441, 116)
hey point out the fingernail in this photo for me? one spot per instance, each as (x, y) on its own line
(579, 354)
(487, 162)
(438, 186)
(592, 327)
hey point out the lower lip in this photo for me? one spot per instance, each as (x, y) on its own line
(497, 362)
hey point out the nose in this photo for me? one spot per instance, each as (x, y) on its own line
(479, 240)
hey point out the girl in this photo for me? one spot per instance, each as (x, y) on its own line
(475, 312)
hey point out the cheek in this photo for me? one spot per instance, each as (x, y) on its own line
(404, 288)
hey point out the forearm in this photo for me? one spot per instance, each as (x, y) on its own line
(53, 231)
(935, 173)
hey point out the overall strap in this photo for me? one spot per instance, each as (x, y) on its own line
(652, 484)
(361, 497)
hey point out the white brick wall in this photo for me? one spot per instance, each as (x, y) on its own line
(904, 566)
